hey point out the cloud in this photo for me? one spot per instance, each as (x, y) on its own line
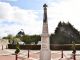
(28, 19)
(11, 0)
(8, 0)
(11, 13)
(35, 28)
(64, 11)
(31, 21)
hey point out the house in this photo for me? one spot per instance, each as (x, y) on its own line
(4, 41)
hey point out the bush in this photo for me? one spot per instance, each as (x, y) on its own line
(17, 48)
(73, 47)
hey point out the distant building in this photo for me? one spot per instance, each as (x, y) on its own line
(4, 41)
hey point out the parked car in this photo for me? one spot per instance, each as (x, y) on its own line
(39, 43)
(20, 42)
(32, 42)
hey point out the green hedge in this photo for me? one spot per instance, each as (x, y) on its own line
(38, 47)
(31, 47)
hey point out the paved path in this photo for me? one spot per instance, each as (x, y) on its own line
(8, 54)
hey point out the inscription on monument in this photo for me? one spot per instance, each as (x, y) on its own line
(44, 42)
(44, 46)
(45, 30)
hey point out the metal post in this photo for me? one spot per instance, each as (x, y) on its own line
(69, 39)
(62, 53)
(74, 57)
(57, 47)
(31, 47)
(2, 47)
(28, 53)
(6, 46)
(22, 35)
(22, 38)
(19, 46)
(16, 56)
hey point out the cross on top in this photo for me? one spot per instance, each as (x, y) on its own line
(45, 5)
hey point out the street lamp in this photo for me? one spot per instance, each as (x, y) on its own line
(69, 39)
(22, 37)
(22, 34)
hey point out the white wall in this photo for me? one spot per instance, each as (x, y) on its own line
(3, 42)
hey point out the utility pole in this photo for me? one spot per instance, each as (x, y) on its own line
(22, 34)
(69, 39)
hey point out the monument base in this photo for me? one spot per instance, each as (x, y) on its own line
(45, 54)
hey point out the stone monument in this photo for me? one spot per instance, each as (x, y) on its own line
(45, 53)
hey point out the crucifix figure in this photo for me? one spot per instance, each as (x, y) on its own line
(45, 13)
(45, 19)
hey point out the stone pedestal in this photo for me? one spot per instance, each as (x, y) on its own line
(45, 54)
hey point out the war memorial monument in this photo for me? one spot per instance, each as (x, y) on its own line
(45, 53)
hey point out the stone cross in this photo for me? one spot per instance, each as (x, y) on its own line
(44, 5)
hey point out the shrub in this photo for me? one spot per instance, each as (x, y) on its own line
(73, 47)
(17, 48)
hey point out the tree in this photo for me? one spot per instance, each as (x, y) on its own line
(60, 24)
(61, 35)
(15, 39)
(5, 38)
(10, 37)
(51, 38)
(17, 48)
(31, 38)
(73, 47)
(20, 34)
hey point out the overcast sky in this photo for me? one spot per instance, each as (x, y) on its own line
(28, 15)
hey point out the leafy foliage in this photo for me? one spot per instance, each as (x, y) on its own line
(17, 48)
(73, 47)
(5, 38)
(31, 38)
(20, 34)
(15, 38)
(11, 38)
(63, 32)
